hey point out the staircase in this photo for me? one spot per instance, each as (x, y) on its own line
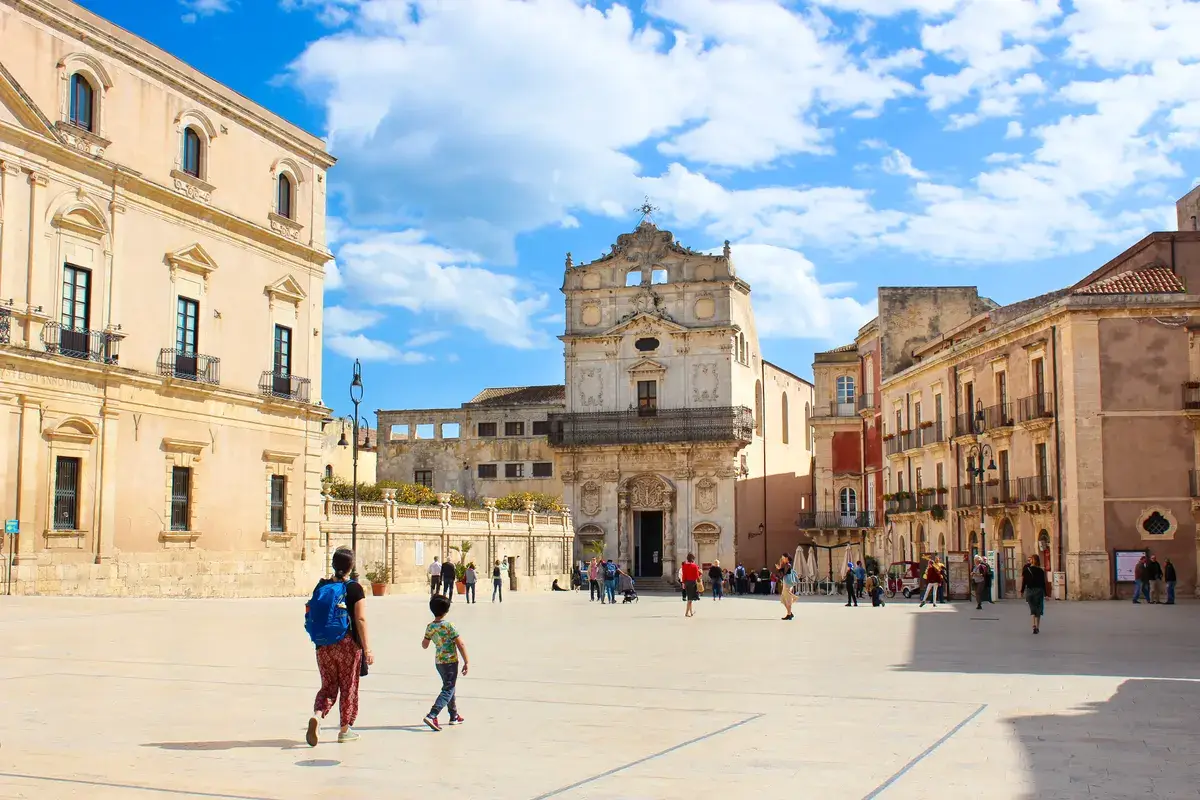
(655, 586)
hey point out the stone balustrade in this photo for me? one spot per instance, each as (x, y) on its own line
(406, 538)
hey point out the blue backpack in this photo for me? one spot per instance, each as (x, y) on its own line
(325, 617)
(610, 571)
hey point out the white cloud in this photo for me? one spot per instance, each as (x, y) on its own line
(403, 269)
(204, 8)
(898, 163)
(789, 301)
(1014, 130)
(427, 338)
(343, 335)
(333, 13)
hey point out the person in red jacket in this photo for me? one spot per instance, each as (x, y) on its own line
(691, 582)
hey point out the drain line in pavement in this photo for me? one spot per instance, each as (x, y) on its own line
(926, 753)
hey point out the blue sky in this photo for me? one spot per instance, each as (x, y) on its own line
(840, 145)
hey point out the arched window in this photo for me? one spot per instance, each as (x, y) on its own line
(758, 398)
(283, 200)
(191, 152)
(848, 503)
(83, 102)
(329, 470)
(784, 410)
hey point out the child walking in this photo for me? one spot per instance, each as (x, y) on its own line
(447, 645)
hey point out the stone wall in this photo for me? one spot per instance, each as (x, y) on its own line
(407, 538)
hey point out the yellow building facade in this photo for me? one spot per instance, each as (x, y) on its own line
(162, 252)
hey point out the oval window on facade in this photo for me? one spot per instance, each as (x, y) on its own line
(647, 344)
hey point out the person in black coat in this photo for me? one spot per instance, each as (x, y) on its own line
(1169, 577)
(1033, 586)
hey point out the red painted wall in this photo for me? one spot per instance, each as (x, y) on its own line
(847, 452)
(874, 445)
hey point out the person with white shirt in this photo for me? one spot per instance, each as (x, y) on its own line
(435, 576)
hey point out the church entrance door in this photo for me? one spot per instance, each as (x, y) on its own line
(647, 544)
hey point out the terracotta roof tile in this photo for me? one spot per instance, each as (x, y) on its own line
(1150, 280)
(520, 395)
(846, 348)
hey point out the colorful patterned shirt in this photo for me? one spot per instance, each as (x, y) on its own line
(443, 636)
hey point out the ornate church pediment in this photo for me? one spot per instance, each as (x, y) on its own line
(647, 366)
(650, 492)
(645, 321)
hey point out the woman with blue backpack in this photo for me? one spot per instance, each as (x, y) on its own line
(336, 621)
(787, 582)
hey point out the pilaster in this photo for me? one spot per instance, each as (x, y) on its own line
(37, 182)
(29, 459)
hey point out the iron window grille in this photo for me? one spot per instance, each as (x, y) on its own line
(278, 503)
(486, 429)
(514, 429)
(423, 477)
(514, 470)
(181, 498)
(66, 494)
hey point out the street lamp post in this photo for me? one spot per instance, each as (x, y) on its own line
(978, 455)
(356, 394)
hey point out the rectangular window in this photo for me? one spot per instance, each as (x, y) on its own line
(968, 408)
(487, 471)
(871, 493)
(486, 429)
(423, 477)
(66, 494)
(918, 484)
(916, 415)
(514, 470)
(543, 469)
(283, 351)
(278, 503)
(647, 393)
(541, 427)
(1039, 376)
(76, 311)
(899, 421)
(187, 318)
(1003, 464)
(937, 407)
(514, 429)
(181, 498)
(941, 476)
(1002, 391)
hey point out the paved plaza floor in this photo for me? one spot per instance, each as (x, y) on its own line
(568, 699)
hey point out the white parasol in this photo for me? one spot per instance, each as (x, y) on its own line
(810, 563)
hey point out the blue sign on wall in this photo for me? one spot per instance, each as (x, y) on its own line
(12, 527)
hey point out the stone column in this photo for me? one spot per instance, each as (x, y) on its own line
(106, 520)
(532, 543)
(37, 182)
(29, 478)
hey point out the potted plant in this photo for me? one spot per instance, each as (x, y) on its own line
(889, 496)
(938, 512)
(942, 490)
(460, 570)
(1193, 384)
(379, 575)
(927, 491)
(993, 481)
(887, 437)
(927, 424)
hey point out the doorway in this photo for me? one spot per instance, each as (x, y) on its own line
(647, 544)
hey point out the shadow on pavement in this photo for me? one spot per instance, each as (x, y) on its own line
(1095, 638)
(1143, 742)
(281, 744)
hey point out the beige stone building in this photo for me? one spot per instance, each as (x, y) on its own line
(337, 459)
(492, 446)
(676, 435)
(1080, 406)
(162, 252)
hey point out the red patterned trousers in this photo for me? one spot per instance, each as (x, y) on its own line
(339, 665)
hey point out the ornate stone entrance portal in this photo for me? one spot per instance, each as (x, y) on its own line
(647, 515)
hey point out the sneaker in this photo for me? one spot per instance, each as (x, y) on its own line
(920, 606)
(457, 720)
(347, 736)
(432, 723)
(311, 736)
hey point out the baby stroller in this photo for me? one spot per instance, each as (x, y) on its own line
(625, 586)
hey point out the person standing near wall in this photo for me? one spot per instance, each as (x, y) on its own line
(497, 582)
(1170, 577)
(435, 576)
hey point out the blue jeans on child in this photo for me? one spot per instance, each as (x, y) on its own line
(610, 589)
(449, 675)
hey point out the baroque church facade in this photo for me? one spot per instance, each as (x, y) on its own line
(676, 436)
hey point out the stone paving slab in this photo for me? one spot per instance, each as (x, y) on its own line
(126, 698)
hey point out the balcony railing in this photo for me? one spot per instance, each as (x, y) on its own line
(721, 424)
(189, 366)
(931, 434)
(1194, 482)
(996, 493)
(1037, 406)
(836, 409)
(286, 387)
(967, 496)
(901, 505)
(64, 340)
(964, 424)
(893, 445)
(868, 402)
(828, 520)
(1191, 395)
(997, 416)
(1039, 488)
(5, 326)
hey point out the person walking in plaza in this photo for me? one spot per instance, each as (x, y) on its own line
(860, 578)
(594, 581)
(850, 582)
(988, 577)
(336, 621)
(979, 579)
(1033, 587)
(610, 581)
(1170, 578)
(497, 582)
(1155, 576)
(717, 578)
(1141, 584)
(690, 573)
(787, 581)
(449, 576)
(873, 590)
(435, 576)
(933, 580)
(743, 583)
(470, 578)
(448, 645)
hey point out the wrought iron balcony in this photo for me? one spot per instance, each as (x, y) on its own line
(720, 424)
(1191, 396)
(983, 420)
(189, 366)
(832, 520)
(835, 409)
(907, 504)
(1039, 488)
(931, 433)
(64, 340)
(1037, 406)
(5, 326)
(905, 440)
(285, 387)
(994, 493)
(868, 402)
